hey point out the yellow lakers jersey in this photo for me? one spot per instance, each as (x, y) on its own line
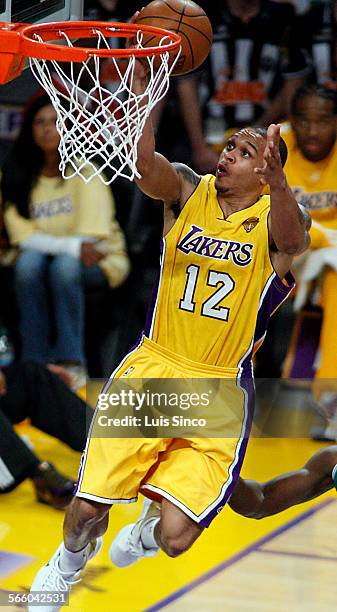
(217, 287)
(313, 183)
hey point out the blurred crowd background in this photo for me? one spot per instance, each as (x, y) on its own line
(78, 261)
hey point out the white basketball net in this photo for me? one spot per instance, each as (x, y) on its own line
(100, 128)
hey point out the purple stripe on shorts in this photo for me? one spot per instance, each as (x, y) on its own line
(247, 384)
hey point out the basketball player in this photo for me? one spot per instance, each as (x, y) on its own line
(227, 250)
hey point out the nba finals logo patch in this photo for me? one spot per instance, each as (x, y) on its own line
(250, 223)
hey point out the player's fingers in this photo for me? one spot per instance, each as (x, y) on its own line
(276, 135)
(134, 16)
(132, 41)
(272, 150)
(273, 135)
(267, 155)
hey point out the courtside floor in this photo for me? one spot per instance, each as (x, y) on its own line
(287, 562)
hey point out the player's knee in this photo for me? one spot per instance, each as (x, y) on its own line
(173, 546)
(256, 514)
(178, 539)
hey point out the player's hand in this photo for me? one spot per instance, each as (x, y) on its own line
(272, 170)
(131, 41)
(3, 385)
(90, 256)
(141, 66)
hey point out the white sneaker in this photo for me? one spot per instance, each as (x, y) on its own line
(127, 547)
(50, 578)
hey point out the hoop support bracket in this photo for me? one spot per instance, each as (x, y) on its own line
(12, 61)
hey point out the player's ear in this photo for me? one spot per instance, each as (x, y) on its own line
(263, 181)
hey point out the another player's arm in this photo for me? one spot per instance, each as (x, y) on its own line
(288, 223)
(258, 500)
(171, 183)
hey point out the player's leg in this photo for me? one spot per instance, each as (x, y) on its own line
(175, 532)
(161, 526)
(258, 500)
(194, 478)
(85, 522)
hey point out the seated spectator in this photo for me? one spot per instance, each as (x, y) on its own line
(252, 73)
(32, 390)
(311, 171)
(68, 240)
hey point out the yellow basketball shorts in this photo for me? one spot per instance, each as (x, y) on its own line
(197, 474)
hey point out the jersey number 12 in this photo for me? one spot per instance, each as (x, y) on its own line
(211, 307)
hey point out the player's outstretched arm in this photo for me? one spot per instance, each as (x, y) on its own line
(288, 223)
(258, 500)
(160, 179)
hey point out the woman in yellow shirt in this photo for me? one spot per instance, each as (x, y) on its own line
(68, 239)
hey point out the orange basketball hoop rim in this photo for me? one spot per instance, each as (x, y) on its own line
(21, 41)
(99, 123)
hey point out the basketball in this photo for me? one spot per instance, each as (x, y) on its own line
(188, 20)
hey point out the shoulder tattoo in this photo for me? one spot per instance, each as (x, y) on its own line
(187, 173)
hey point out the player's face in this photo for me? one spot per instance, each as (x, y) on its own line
(45, 133)
(242, 154)
(315, 127)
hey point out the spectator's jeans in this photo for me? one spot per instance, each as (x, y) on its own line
(44, 283)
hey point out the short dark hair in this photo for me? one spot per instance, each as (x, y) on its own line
(262, 131)
(313, 90)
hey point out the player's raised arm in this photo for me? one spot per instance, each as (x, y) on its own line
(258, 500)
(288, 223)
(161, 180)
